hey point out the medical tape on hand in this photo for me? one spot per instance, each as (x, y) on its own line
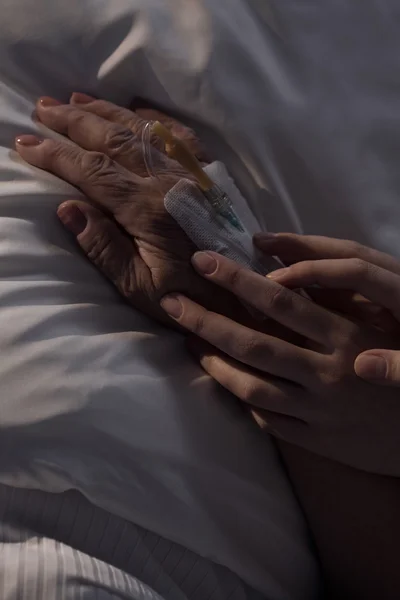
(186, 203)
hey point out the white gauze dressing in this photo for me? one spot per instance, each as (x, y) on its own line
(188, 206)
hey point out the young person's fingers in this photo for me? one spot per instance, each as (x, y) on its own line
(270, 394)
(273, 300)
(379, 366)
(252, 348)
(378, 285)
(293, 248)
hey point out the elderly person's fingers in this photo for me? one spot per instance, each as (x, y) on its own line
(101, 240)
(271, 299)
(122, 260)
(292, 248)
(135, 120)
(111, 251)
(374, 283)
(92, 132)
(109, 111)
(97, 175)
(179, 130)
(379, 366)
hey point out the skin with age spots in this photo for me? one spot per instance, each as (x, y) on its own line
(124, 229)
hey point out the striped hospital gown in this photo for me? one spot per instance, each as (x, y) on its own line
(60, 546)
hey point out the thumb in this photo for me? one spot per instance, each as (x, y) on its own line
(101, 240)
(379, 366)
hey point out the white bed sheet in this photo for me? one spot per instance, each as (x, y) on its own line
(301, 100)
(93, 395)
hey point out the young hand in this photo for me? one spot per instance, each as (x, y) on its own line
(344, 265)
(309, 396)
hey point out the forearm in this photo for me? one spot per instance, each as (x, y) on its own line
(355, 520)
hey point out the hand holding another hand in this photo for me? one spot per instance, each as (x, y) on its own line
(309, 396)
(304, 384)
(334, 264)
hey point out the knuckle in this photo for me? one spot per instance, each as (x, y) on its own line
(278, 299)
(75, 120)
(336, 370)
(100, 250)
(250, 350)
(234, 276)
(56, 152)
(356, 249)
(99, 105)
(358, 265)
(198, 325)
(118, 141)
(101, 108)
(346, 339)
(95, 164)
(360, 268)
(359, 251)
(99, 171)
(250, 392)
(331, 375)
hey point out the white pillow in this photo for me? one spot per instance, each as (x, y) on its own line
(94, 396)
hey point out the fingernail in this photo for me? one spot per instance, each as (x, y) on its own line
(28, 140)
(79, 98)
(371, 367)
(47, 102)
(172, 306)
(72, 218)
(204, 262)
(277, 274)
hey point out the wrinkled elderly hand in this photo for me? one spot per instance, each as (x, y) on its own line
(308, 396)
(124, 228)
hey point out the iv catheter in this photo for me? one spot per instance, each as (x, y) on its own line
(178, 150)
